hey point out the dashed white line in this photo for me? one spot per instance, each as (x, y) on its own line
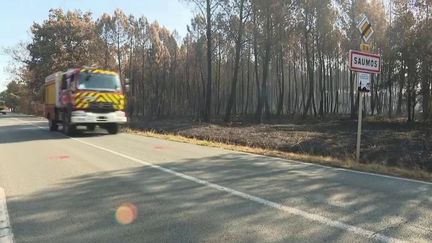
(6, 235)
(371, 235)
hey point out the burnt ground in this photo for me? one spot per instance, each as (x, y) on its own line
(391, 143)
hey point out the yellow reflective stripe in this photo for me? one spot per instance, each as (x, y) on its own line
(98, 71)
(109, 97)
(115, 98)
(122, 102)
(78, 101)
(101, 98)
(79, 104)
(79, 95)
(82, 99)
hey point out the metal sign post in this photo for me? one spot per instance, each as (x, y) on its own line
(364, 82)
(359, 126)
(365, 64)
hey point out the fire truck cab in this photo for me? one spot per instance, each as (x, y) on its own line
(86, 97)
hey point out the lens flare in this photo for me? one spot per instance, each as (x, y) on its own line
(126, 213)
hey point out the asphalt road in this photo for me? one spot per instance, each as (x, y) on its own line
(127, 188)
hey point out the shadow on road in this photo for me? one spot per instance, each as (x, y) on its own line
(18, 133)
(172, 209)
(28, 129)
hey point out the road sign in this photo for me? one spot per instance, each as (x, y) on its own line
(365, 62)
(364, 82)
(365, 29)
(366, 48)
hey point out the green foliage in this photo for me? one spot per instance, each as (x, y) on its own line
(63, 41)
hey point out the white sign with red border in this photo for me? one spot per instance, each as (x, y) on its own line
(365, 62)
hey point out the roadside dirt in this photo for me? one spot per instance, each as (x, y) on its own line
(388, 143)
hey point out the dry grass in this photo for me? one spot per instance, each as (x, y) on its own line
(347, 163)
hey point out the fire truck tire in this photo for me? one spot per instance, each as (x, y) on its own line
(112, 128)
(53, 126)
(68, 128)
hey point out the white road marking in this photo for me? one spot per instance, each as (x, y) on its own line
(371, 235)
(6, 235)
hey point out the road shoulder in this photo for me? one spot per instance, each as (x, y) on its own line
(6, 235)
(415, 175)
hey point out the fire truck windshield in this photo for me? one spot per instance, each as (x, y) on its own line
(96, 81)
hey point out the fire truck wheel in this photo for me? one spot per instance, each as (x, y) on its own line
(112, 128)
(68, 128)
(53, 125)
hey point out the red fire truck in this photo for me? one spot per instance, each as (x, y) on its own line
(87, 97)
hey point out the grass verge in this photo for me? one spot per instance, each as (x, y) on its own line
(348, 163)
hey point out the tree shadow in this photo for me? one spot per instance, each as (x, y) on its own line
(18, 133)
(14, 131)
(173, 209)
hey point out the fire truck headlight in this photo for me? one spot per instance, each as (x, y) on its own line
(120, 113)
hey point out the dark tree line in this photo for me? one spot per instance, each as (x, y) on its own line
(247, 58)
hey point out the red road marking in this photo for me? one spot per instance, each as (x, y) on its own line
(61, 157)
(160, 147)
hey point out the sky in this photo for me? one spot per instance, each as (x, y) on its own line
(18, 15)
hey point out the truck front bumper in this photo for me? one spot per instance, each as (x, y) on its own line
(82, 117)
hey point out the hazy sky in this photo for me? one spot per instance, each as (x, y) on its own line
(18, 15)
